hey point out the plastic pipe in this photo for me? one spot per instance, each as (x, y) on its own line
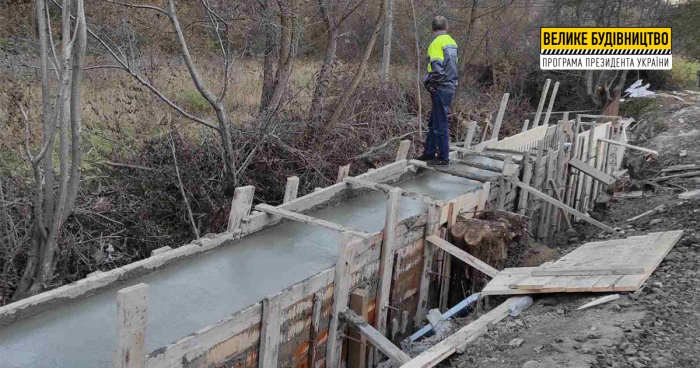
(454, 310)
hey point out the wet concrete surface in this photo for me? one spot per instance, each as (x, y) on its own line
(200, 291)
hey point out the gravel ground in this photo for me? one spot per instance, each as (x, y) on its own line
(659, 326)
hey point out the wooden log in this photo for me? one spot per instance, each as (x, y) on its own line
(561, 205)
(270, 331)
(402, 152)
(540, 106)
(357, 344)
(375, 338)
(641, 149)
(341, 291)
(499, 117)
(132, 317)
(386, 263)
(240, 206)
(305, 219)
(343, 172)
(681, 168)
(462, 255)
(292, 189)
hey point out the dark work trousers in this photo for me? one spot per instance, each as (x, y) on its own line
(438, 139)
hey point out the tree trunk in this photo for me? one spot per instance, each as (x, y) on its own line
(388, 30)
(269, 60)
(467, 41)
(360, 70)
(316, 110)
(284, 64)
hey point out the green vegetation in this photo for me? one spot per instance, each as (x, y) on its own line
(685, 72)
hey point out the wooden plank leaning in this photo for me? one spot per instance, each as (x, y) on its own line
(305, 219)
(557, 203)
(462, 255)
(642, 149)
(499, 117)
(540, 106)
(592, 171)
(374, 337)
(458, 341)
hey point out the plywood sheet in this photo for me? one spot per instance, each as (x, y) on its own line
(604, 266)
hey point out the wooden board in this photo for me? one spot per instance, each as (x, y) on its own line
(613, 265)
(462, 255)
(375, 337)
(592, 171)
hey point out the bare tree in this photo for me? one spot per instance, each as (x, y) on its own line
(61, 108)
(216, 101)
(274, 88)
(333, 18)
(359, 73)
(386, 50)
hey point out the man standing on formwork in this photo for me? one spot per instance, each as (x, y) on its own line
(441, 82)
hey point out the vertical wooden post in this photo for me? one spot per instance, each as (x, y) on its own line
(132, 314)
(402, 152)
(445, 271)
(526, 123)
(292, 189)
(551, 103)
(386, 263)
(470, 134)
(501, 193)
(357, 345)
(537, 178)
(569, 194)
(543, 98)
(499, 117)
(432, 226)
(543, 226)
(315, 325)
(586, 194)
(527, 178)
(240, 206)
(270, 331)
(563, 165)
(343, 172)
(341, 291)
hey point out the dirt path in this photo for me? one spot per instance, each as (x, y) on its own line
(659, 327)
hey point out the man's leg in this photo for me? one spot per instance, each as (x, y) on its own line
(442, 136)
(430, 147)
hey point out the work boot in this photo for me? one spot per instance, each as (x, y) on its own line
(438, 162)
(425, 157)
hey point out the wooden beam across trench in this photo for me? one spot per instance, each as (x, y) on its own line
(309, 220)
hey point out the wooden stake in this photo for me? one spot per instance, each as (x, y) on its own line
(343, 172)
(386, 264)
(402, 152)
(240, 206)
(543, 98)
(375, 338)
(357, 344)
(499, 118)
(470, 134)
(132, 313)
(525, 125)
(432, 226)
(341, 291)
(561, 205)
(551, 103)
(270, 331)
(292, 189)
(527, 177)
